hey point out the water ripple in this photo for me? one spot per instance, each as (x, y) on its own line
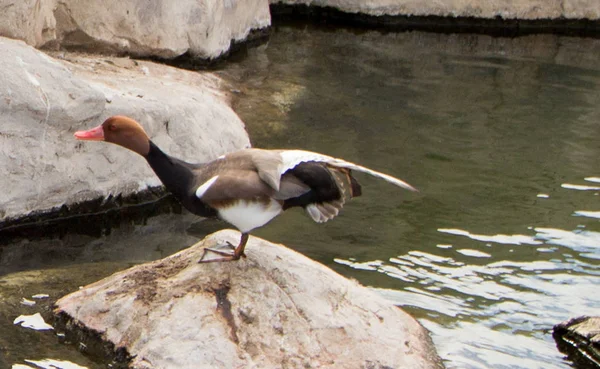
(578, 240)
(588, 214)
(498, 314)
(570, 186)
(516, 239)
(474, 253)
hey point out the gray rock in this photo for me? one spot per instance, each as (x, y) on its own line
(506, 9)
(32, 21)
(579, 338)
(273, 309)
(159, 28)
(43, 100)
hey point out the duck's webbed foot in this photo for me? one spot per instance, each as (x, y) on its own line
(227, 251)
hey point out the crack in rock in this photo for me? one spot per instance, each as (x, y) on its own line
(224, 306)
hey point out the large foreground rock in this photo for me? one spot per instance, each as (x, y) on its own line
(579, 338)
(159, 28)
(273, 309)
(505, 9)
(44, 100)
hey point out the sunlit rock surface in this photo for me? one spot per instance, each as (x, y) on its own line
(579, 338)
(161, 28)
(275, 308)
(44, 100)
(506, 9)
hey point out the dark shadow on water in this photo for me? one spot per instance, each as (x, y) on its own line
(129, 233)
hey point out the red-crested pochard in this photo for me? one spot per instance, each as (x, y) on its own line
(246, 188)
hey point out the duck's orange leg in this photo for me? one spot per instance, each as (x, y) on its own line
(235, 254)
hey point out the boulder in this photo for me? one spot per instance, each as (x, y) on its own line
(32, 21)
(579, 339)
(43, 100)
(160, 28)
(273, 309)
(505, 9)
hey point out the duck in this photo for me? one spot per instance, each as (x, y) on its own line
(245, 188)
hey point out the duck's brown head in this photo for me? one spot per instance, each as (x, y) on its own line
(120, 130)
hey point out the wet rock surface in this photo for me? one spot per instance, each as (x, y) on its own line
(579, 339)
(45, 99)
(275, 308)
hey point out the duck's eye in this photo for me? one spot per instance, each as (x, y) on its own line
(112, 127)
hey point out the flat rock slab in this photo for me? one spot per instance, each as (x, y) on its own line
(274, 309)
(579, 338)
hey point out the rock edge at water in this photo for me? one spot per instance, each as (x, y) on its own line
(504, 9)
(275, 308)
(579, 338)
(206, 30)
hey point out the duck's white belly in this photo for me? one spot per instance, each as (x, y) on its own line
(247, 215)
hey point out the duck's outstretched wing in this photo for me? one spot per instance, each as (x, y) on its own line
(291, 158)
(272, 164)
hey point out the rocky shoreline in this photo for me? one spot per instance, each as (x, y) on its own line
(495, 26)
(199, 34)
(502, 9)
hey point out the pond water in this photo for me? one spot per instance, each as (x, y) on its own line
(501, 137)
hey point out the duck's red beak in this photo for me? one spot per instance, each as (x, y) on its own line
(94, 134)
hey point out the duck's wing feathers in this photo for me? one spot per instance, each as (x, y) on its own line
(267, 163)
(291, 158)
(272, 164)
(228, 186)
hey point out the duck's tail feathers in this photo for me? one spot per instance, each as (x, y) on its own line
(324, 211)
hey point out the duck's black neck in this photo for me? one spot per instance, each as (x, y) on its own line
(173, 173)
(178, 177)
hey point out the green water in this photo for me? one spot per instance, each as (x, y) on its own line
(497, 134)
(494, 250)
